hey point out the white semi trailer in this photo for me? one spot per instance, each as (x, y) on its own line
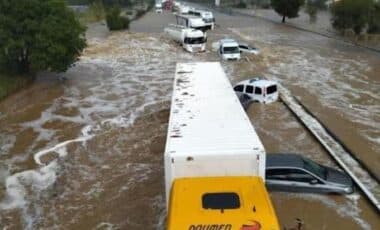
(214, 159)
(190, 39)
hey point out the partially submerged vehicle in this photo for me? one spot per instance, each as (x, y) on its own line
(190, 39)
(214, 159)
(228, 49)
(259, 89)
(295, 173)
(245, 48)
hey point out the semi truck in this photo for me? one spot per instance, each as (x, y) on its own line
(191, 21)
(214, 160)
(190, 39)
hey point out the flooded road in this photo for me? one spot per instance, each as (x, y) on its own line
(84, 150)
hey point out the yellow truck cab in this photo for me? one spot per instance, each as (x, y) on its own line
(220, 203)
(214, 159)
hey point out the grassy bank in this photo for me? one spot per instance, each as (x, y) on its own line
(10, 84)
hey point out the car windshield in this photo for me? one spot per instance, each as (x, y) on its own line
(199, 40)
(231, 50)
(314, 168)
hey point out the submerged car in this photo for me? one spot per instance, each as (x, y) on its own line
(245, 48)
(258, 89)
(295, 173)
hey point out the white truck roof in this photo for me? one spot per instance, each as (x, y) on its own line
(206, 116)
(191, 33)
(228, 42)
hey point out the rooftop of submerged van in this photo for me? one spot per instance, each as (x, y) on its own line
(261, 82)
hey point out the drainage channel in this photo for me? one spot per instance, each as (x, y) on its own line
(363, 178)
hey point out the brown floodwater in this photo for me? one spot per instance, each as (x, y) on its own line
(84, 149)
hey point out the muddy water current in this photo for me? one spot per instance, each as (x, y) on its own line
(84, 149)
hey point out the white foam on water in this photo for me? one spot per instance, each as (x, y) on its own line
(17, 184)
(159, 203)
(106, 226)
(61, 147)
(6, 143)
(138, 70)
(349, 208)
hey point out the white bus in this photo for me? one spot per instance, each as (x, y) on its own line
(191, 21)
(207, 17)
(214, 159)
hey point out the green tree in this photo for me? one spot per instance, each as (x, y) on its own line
(287, 8)
(374, 21)
(37, 35)
(351, 14)
(114, 20)
(312, 8)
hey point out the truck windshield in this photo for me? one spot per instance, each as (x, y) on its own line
(231, 50)
(220, 201)
(199, 40)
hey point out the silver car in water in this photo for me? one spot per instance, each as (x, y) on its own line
(295, 173)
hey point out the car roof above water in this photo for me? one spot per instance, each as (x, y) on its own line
(260, 82)
(284, 160)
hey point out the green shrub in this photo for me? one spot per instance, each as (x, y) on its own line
(241, 4)
(139, 13)
(374, 23)
(96, 9)
(351, 14)
(115, 21)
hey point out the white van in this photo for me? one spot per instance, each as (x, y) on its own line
(258, 89)
(229, 49)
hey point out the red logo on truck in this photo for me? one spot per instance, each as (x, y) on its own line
(253, 226)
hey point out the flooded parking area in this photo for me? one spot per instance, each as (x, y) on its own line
(84, 150)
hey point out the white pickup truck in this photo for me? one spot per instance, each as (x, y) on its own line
(190, 39)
